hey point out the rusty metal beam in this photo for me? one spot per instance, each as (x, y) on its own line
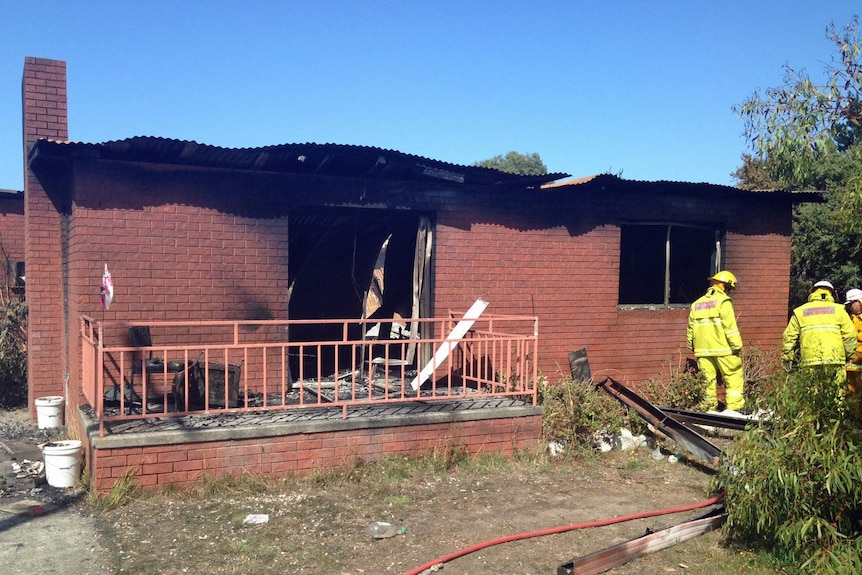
(690, 440)
(607, 559)
(709, 419)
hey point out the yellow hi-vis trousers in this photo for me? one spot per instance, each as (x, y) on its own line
(730, 368)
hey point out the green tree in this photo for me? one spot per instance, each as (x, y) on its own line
(807, 135)
(516, 163)
(754, 174)
(793, 486)
(801, 122)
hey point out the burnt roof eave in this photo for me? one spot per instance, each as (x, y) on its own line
(353, 161)
(613, 183)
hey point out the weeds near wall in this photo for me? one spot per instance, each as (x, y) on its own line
(575, 411)
(683, 387)
(794, 483)
(123, 491)
(759, 370)
(13, 340)
(449, 454)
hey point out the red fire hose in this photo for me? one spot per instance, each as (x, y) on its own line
(563, 529)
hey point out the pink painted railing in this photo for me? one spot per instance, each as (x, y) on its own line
(299, 364)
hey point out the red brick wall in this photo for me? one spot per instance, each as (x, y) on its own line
(180, 245)
(190, 244)
(45, 116)
(183, 464)
(557, 256)
(12, 225)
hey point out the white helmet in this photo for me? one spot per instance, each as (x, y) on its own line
(824, 284)
(853, 295)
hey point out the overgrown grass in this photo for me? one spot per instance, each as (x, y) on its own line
(683, 387)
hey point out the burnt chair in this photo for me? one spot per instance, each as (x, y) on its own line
(402, 355)
(219, 377)
(142, 361)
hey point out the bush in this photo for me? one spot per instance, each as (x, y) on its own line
(794, 482)
(13, 352)
(683, 387)
(575, 411)
(759, 370)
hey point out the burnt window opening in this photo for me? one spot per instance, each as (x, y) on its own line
(666, 264)
(355, 264)
(18, 277)
(15, 278)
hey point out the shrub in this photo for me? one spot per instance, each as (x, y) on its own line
(575, 411)
(794, 483)
(683, 387)
(759, 370)
(13, 349)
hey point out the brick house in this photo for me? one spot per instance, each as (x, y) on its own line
(12, 238)
(195, 231)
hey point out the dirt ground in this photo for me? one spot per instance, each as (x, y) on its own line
(318, 526)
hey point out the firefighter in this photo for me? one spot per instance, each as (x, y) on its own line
(853, 305)
(714, 338)
(821, 331)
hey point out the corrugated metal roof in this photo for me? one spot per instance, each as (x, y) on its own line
(337, 160)
(601, 182)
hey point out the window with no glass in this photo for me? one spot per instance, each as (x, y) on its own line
(666, 264)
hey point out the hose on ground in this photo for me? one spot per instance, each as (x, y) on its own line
(563, 529)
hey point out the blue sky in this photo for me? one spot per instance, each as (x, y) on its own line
(644, 89)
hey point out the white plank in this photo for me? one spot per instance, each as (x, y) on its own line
(452, 340)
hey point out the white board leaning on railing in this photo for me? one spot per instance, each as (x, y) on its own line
(452, 340)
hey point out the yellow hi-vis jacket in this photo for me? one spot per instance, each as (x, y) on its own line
(712, 329)
(822, 330)
(857, 325)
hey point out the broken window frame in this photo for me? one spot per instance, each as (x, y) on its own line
(666, 264)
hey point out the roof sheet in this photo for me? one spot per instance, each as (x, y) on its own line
(337, 160)
(601, 182)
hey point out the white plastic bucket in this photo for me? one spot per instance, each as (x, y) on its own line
(49, 411)
(62, 462)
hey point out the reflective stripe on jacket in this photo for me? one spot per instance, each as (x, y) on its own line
(822, 331)
(712, 329)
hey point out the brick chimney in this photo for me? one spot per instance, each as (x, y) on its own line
(45, 116)
(44, 98)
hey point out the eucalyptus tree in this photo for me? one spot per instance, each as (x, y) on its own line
(807, 134)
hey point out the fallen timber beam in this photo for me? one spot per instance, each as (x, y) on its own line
(692, 441)
(607, 559)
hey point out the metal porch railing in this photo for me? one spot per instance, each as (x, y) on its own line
(228, 366)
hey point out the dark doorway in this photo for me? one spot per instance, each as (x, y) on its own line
(333, 253)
